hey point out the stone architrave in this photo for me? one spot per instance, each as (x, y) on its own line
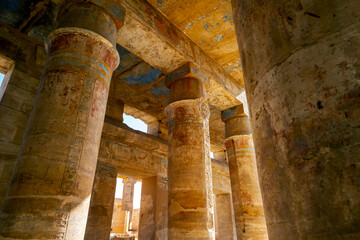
(301, 70)
(246, 195)
(190, 198)
(50, 191)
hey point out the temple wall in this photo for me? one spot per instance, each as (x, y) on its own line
(17, 99)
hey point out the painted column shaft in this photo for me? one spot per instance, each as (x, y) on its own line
(189, 170)
(301, 69)
(49, 194)
(248, 207)
(246, 195)
(99, 220)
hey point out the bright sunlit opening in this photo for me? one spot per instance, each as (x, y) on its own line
(119, 188)
(137, 195)
(137, 192)
(1, 78)
(135, 123)
(211, 154)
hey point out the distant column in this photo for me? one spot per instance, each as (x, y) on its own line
(189, 170)
(153, 222)
(102, 203)
(50, 192)
(248, 206)
(128, 198)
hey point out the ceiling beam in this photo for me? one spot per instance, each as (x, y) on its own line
(152, 37)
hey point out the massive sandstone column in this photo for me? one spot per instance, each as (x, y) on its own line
(50, 191)
(190, 183)
(302, 76)
(248, 207)
(99, 220)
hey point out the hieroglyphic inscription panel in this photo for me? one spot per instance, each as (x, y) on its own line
(78, 136)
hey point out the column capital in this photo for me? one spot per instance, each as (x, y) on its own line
(188, 70)
(236, 121)
(104, 17)
(130, 180)
(186, 82)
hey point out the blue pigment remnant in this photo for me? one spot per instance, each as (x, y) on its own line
(234, 66)
(189, 25)
(142, 74)
(159, 3)
(160, 91)
(217, 24)
(229, 112)
(218, 37)
(165, 161)
(202, 17)
(117, 12)
(127, 59)
(228, 18)
(208, 26)
(203, 41)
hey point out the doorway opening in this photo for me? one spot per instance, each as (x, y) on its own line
(126, 212)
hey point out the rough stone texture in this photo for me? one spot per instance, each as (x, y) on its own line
(128, 194)
(175, 47)
(225, 226)
(141, 155)
(190, 182)
(119, 220)
(246, 196)
(145, 33)
(210, 26)
(114, 108)
(220, 177)
(133, 153)
(154, 209)
(99, 220)
(50, 191)
(301, 66)
(135, 219)
(17, 99)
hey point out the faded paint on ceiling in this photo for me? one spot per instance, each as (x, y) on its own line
(209, 23)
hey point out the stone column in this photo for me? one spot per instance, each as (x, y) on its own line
(153, 223)
(127, 203)
(50, 191)
(102, 203)
(225, 229)
(189, 170)
(128, 194)
(301, 69)
(248, 206)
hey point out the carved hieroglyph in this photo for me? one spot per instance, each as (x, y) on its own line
(191, 206)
